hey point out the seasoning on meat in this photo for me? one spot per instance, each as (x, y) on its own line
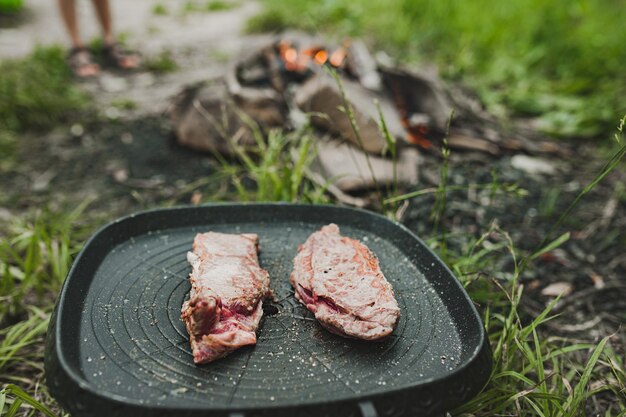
(339, 280)
(227, 290)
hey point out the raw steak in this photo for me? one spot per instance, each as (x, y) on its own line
(227, 289)
(339, 280)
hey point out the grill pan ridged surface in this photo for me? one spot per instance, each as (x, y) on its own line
(117, 344)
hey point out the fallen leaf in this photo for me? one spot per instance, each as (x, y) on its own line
(557, 288)
(598, 282)
(120, 175)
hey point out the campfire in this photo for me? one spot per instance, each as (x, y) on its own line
(297, 78)
(300, 60)
(305, 62)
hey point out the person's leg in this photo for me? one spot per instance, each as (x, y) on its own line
(113, 51)
(68, 13)
(79, 59)
(103, 10)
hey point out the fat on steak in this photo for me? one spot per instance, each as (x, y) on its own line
(339, 280)
(227, 290)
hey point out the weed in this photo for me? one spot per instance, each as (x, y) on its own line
(37, 92)
(389, 208)
(8, 145)
(159, 9)
(349, 111)
(18, 336)
(35, 258)
(441, 196)
(219, 5)
(11, 6)
(276, 168)
(532, 375)
(609, 167)
(162, 63)
(17, 399)
(549, 201)
(192, 6)
(271, 20)
(124, 104)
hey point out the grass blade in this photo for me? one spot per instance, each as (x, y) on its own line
(23, 397)
(577, 399)
(551, 246)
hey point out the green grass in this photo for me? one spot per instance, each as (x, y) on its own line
(8, 148)
(270, 20)
(194, 6)
(533, 374)
(163, 63)
(37, 92)
(11, 6)
(559, 60)
(159, 9)
(219, 5)
(124, 104)
(17, 399)
(35, 255)
(273, 169)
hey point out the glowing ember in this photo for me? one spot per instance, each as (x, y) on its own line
(416, 136)
(299, 59)
(291, 55)
(320, 57)
(337, 57)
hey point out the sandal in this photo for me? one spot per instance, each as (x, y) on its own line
(116, 56)
(81, 63)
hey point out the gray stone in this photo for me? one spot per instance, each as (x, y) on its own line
(205, 119)
(321, 95)
(347, 168)
(213, 118)
(532, 165)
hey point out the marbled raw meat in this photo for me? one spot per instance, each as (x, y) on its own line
(227, 290)
(339, 280)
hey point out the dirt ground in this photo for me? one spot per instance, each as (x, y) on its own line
(128, 161)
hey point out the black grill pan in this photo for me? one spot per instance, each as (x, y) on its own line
(116, 344)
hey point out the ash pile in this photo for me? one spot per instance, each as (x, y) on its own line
(343, 92)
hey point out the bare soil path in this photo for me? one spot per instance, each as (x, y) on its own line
(201, 42)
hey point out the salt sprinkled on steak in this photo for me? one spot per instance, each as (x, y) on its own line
(227, 288)
(339, 280)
